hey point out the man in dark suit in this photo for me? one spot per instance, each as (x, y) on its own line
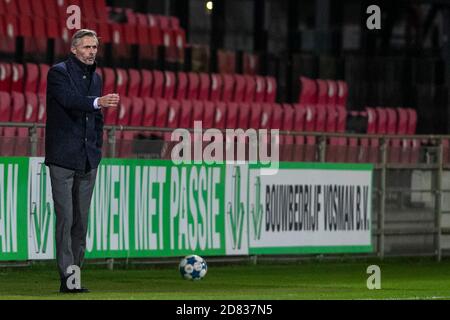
(73, 147)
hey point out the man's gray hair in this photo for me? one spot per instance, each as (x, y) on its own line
(83, 33)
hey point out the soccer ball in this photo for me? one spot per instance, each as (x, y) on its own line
(193, 267)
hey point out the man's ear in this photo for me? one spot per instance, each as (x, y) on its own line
(74, 50)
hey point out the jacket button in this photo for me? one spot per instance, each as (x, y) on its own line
(85, 139)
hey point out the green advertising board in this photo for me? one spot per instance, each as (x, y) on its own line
(154, 208)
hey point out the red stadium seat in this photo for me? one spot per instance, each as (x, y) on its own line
(220, 115)
(9, 30)
(109, 81)
(391, 121)
(394, 144)
(7, 133)
(299, 126)
(342, 93)
(123, 114)
(110, 116)
(177, 117)
(260, 89)
(88, 10)
(239, 88)
(255, 115)
(231, 115)
(155, 31)
(134, 83)
(203, 93)
(193, 85)
(17, 78)
(137, 112)
(5, 76)
(276, 123)
(158, 84)
(243, 115)
(162, 21)
(32, 76)
(332, 93)
(320, 119)
(415, 144)
(53, 29)
(43, 8)
(100, 8)
(370, 146)
(12, 7)
(162, 111)
(277, 116)
(25, 8)
(266, 116)
(147, 83)
(42, 115)
(185, 115)
(308, 92)
(228, 86)
(271, 89)
(250, 85)
(123, 119)
(149, 113)
(381, 120)
(43, 71)
(169, 85)
(322, 92)
(120, 48)
(50, 8)
(181, 89)
(377, 127)
(32, 108)
(287, 124)
(121, 82)
(209, 110)
(341, 125)
(331, 126)
(104, 32)
(15, 145)
(310, 126)
(402, 129)
(5, 109)
(197, 112)
(216, 87)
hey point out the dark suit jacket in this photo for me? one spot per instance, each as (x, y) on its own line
(74, 128)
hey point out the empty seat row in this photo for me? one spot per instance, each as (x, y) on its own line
(146, 83)
(140, 28)
(323, 92)
(388, 121)
(55, 9)
(171, 113)
(30, 77)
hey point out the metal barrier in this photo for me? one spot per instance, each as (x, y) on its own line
(411, 198)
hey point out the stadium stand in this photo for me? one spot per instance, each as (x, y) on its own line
(222, 99)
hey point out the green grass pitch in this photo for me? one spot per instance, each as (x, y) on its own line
(311, 279)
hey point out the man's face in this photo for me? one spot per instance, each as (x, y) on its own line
(86, 50)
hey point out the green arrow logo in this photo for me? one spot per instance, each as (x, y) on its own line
(257, 211)
(235, 210)
(41, 213)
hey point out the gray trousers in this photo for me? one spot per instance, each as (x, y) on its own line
(72, 194)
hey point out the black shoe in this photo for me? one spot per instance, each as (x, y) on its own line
(64, 289)
(82, 290)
